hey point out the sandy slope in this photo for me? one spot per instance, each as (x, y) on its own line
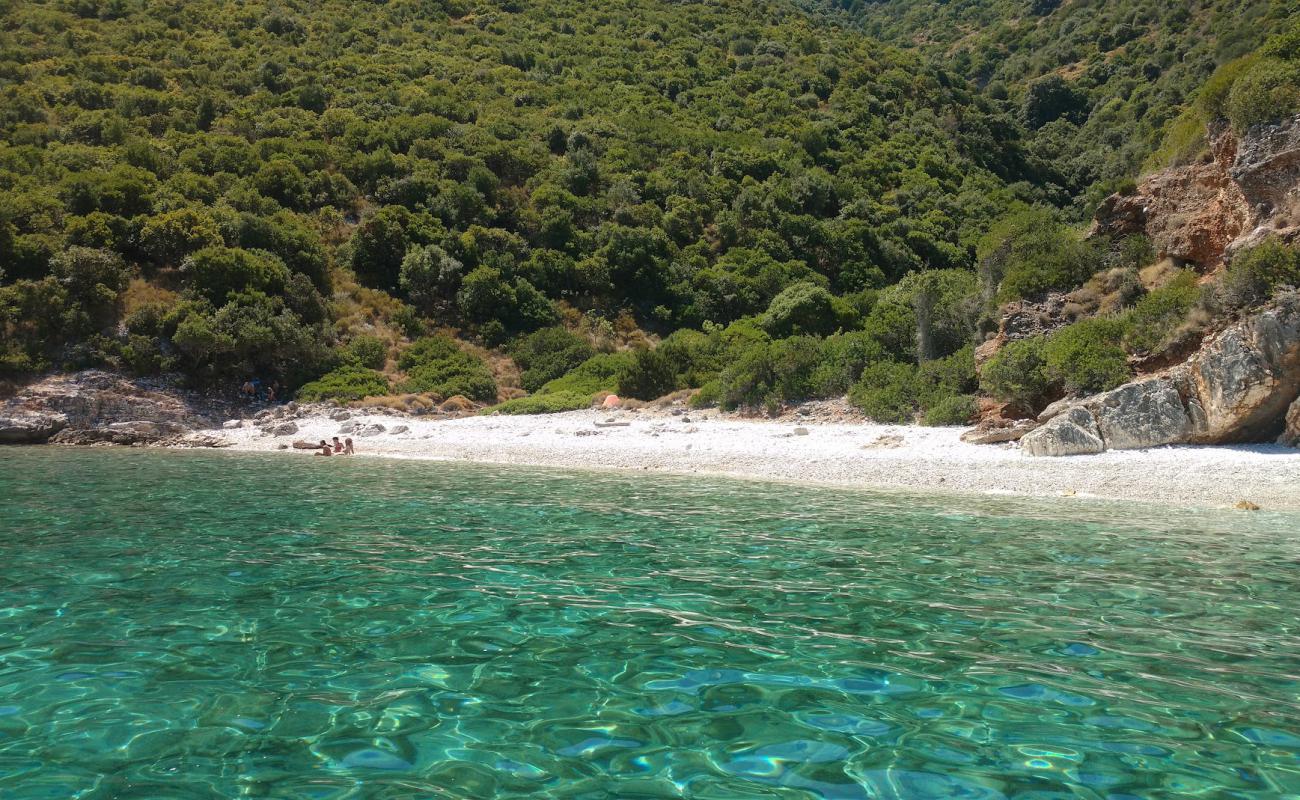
(843, 454)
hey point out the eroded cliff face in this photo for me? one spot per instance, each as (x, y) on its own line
(1202, 213)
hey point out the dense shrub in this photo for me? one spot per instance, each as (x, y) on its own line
(346, 383)
(1157, 316)
(1030, 252)
(844, 356)
(215, 273)
(957, 409)
(1254, 275)
(1087, 357)
(1018, 372)
(252, 335)
(1268, 91)
(805, 308)
(708, 395)
(548, 403)
(886, 392)
(648, 375)
(369, 352)
(595, 375)
(547, 354)
(437, 365)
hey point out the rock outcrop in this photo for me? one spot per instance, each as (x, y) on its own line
(1237, 388)
(1072, 433)
(1291, 433)
(30, 427)
(1199, 213)
(97, 407)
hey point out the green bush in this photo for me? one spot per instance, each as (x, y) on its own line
(795, 362)
(957, 409)
(708, 396)
(1087, 357)
(437, 365)
(1154, 318)
(427, 350)
(368, 352)
(648, 375)
(346, 383)
(886, 392)
(844, 357)
(1018, 372)
(1030, 252)
(747, 378)
(804, 308)
(948, 376)
(1256, 274)
(550, 403)
(595, 375)
(547, 354)
(1266, 92)
(215, 273)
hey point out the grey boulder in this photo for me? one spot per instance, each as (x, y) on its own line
(1072, 433)
(30, 428)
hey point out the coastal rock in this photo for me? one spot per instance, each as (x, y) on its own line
(1143, 414)
(1071, 433)
(231, 424)
(373, 429)
(998, 431)
(136, 432)
(1241, 386)
(1056, 408)
(1247, 377)
(348, 427)
(30, 428)
(1190, 213)
(1291, 434)
(284, 429)
(199, 440)
(400, 429)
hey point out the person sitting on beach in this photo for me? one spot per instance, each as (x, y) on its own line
(325, 449)
(347, 447)
(338, 446)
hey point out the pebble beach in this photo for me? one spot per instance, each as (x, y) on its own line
(860, 455)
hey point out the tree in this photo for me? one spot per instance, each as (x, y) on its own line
(214, 273)
(430, 276)
(169, 237)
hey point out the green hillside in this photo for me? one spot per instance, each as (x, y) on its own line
(295, 191)
(1094, 82)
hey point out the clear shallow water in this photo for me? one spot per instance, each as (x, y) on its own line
(177, 625)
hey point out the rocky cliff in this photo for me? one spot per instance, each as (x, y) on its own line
(1198, 214)
(1243, 385)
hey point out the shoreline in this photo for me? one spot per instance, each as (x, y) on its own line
(828, 454)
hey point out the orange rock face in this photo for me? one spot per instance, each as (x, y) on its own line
(1200, 213)
(1191, 214)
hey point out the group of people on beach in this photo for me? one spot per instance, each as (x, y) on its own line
(254, 391)
(343, 448)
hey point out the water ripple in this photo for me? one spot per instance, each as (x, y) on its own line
(217, 625)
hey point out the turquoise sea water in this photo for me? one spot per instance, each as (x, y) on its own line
(180, 625)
